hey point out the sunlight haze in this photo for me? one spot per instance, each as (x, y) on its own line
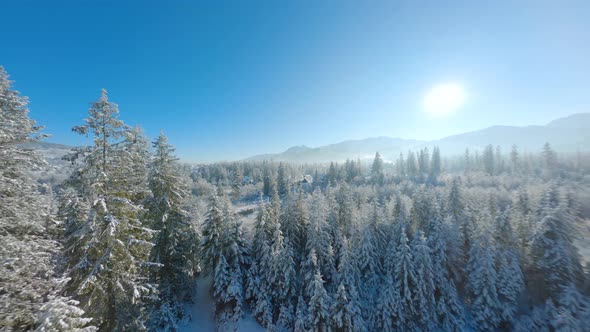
(444, 99)
(302, 73)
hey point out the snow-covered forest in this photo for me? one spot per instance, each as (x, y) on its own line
(490, 240)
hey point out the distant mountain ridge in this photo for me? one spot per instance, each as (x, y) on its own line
(568, 134)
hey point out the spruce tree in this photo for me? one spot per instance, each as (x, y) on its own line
(176, 243)
(377, 176)
(109, 270)
(435, 166)
(448, 311)
(510, 278)
(406, 280)
(259, 288)
(29, 274)
(411, 166)
(346, 309)
(555, 258)
(423, 289)
(387, 314)
(318, 236)
(319, 304)
(282, 278)
(485, 305)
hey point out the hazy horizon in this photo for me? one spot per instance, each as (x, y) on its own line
(230, 80)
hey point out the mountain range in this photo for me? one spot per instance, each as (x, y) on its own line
(568, 134)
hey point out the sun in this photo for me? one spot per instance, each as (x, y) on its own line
(444, 99)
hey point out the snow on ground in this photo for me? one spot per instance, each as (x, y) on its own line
(245, 209)
(201, 313)
(247, 215)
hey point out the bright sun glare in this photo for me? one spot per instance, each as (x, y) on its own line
(444, 99)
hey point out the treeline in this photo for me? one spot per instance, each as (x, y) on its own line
(247, 178)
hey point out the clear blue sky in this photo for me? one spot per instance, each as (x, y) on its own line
(229, 79)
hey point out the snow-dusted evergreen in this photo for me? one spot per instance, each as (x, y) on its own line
(29, 253)
(485, 305)
(110, 262)
(176, 241)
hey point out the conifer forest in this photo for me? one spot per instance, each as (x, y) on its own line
(121, 235)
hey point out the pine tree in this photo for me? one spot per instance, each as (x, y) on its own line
(510, 277)
(572, 311)
(301, 319)
(109, 269)
(226, 258)
(485, 306)
(238, 178)
(423, 289)
(423, 162)
(400, 165)
(370, 271)
(463, 223)
(318, 236)
(282, 180)
(377, 176)
(424, 209)
(514, 160)
(406, 280)
(319, 304)
(269, 181)
(294, 223)
(176, 243)
(213, 228)
(28, 272)
(346, 308)
(345, 210)
(97, 161)
(281, 277)
(550, 157)
(332, 176)
(435, 166)
(488, 160)
(376, 225)
(227, 293)
(411, 166)
(259, 290)
(555, 259)
(449, 311)
(387, 313)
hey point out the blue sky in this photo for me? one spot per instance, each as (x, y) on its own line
(229, 79)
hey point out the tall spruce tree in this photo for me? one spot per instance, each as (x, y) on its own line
(510, 278)
(108, 271)
(406, 280)
(555, 258)
(176, 243)
(29, 287)
(346, 309)
(377, 176)
(448, 310)
(423, 290)
(485, 305)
